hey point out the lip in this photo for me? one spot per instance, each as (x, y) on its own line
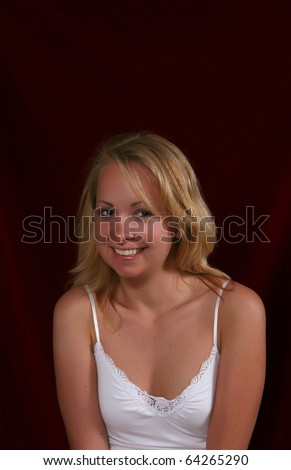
(126, 257)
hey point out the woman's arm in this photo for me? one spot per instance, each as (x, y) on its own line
(241, 371)
(75, 371)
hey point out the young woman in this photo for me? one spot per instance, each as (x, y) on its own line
(153, 347)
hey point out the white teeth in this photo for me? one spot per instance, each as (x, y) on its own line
(126, 252)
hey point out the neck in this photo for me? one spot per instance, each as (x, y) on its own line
(155, 294)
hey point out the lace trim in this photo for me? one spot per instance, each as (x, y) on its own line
(162, 406)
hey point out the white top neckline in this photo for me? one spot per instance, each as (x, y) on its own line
(161, 405)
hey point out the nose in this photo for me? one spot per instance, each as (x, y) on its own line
(126, 229)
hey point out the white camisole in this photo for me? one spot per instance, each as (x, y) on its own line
(136, 420)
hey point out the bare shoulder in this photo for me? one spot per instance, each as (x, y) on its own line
(242, 301)
(73, 307)
(242, 366)
(73, 299)
(242, 310)
(75, 370)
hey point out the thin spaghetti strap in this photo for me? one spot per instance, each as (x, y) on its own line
(94, 312)
(215, 326)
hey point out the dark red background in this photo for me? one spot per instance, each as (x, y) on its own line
(212, 76)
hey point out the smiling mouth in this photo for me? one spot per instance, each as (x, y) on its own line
(128, 252)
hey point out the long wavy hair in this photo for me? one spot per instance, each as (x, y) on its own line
(171, 172)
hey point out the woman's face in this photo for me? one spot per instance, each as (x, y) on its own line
(132, 240)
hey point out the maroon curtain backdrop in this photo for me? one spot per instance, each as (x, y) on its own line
(209, 75)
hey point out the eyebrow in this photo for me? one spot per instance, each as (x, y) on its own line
(112, 205)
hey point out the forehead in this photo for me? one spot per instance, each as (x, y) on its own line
(112, 174)
(113, 183)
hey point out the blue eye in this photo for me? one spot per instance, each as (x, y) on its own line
(144, 213)
(106, 212)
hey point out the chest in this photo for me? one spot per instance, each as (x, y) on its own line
(136, 419)
(163, 356)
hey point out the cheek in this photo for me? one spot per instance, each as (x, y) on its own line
(160, 232)
(102, 231)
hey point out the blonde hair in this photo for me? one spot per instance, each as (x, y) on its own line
(169, 169)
